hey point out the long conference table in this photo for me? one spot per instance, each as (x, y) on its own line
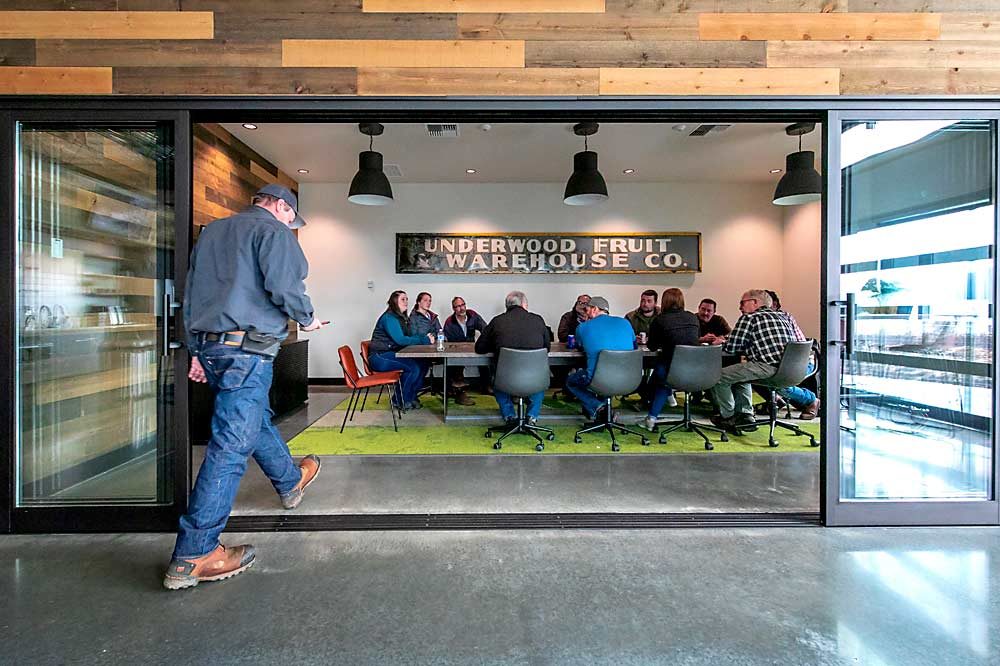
(464, 354)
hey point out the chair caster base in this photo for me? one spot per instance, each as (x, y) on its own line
(615, 447)
(723, 437)
(497, 445)
(539, 447)
(489, 434)
(645, 442)
(577, 439)
(663, 438)
(773, 443)
(813, 442)
(551, 437)
(709, 446)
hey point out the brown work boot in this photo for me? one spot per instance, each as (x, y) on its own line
(462, 398)
(310, 470)
(810, 412)
(220, 564)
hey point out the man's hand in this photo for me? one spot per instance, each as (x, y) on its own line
(708, 338)
(314, 325)
(432, 338)
(197, 373)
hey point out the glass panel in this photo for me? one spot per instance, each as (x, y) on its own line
(95, 256)
(917, 257)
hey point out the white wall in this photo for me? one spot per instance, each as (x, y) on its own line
(743, 243)
(800, 291)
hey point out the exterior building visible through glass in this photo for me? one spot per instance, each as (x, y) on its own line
(917, 254)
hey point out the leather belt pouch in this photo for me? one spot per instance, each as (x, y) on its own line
(261, 344)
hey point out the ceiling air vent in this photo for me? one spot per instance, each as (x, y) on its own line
(392, 171)
(702, 130)
(442, 131)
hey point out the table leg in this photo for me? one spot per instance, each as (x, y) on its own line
(444, 387)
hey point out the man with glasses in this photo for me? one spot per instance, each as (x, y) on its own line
(760, 335)
(461, 326)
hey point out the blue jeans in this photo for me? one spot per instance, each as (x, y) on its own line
(799, 397)
(507, 409)
(661, 391)
(241, 427)
(413, 372)
(577, 384)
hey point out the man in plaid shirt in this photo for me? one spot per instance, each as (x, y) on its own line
(760, 335)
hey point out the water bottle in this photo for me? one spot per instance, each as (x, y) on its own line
(440, 345)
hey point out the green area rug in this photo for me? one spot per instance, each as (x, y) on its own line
(485, 404)
(470, 440)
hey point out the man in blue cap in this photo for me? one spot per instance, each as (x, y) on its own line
(246, 280)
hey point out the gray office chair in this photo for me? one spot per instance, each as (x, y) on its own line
(520, 373)
(617, 373)
(792, 370)
(693, 368)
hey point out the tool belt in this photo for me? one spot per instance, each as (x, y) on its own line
(252, 342)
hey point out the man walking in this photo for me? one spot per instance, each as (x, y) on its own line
(246, 280)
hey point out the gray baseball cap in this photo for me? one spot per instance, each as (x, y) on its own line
(281, 192)
(600, 303)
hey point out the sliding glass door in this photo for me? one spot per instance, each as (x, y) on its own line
(99, 387)
(911, 285)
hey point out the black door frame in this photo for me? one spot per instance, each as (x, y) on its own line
(192, 109)
(33, 520)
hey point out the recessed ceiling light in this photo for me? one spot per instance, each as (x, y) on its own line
(628, 171)
(470, 171)
(250, 126)
(775, 171)
(303, 170)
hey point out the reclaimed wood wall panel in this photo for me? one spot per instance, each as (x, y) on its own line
(645, 54)
(581, 27)
(520, 47)
(55, 80)
(158, 53)
(846, 27)
(465, 81)
(234, 81)
(920, 81)
(684, 81)
(884, 54)
(227, 173)
(479, 6)
(106, 25)
(401, 53)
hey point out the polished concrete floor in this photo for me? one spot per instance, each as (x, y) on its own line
(806, 596)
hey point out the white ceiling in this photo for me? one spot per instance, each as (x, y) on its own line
(530, 153)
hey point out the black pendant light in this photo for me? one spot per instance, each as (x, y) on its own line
(586, 186)
(370, 187)
(801, 182)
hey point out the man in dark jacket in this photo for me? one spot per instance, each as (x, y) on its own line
(246, 280)
(515, 329)
(461, 326)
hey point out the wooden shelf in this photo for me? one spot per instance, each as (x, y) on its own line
(47, 392)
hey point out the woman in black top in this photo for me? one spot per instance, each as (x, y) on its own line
(674, 326)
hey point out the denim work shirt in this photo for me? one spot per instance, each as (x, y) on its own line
(247, 273)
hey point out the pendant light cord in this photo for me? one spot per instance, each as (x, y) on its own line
(800, 143)
(585, 147)
(371, 142)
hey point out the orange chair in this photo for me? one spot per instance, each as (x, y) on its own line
(365, 344)
(357, 382)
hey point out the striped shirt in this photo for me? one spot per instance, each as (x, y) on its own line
(761, 336)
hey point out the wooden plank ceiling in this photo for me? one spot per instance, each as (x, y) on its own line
(500, 47)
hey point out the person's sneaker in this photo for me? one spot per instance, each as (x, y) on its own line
(649, 423)
(309, 466)
(810, 412)
(671, 400)
(745, 422)
(462, 398)
(220, 564)
(532, 421)
(415, 405)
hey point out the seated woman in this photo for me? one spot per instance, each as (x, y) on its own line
(390, 335)
(673, 326)
(422, 320)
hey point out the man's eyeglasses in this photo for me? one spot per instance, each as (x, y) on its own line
(746, 300)
(583, 302)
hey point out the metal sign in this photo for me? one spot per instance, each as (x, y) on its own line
(667, 252)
